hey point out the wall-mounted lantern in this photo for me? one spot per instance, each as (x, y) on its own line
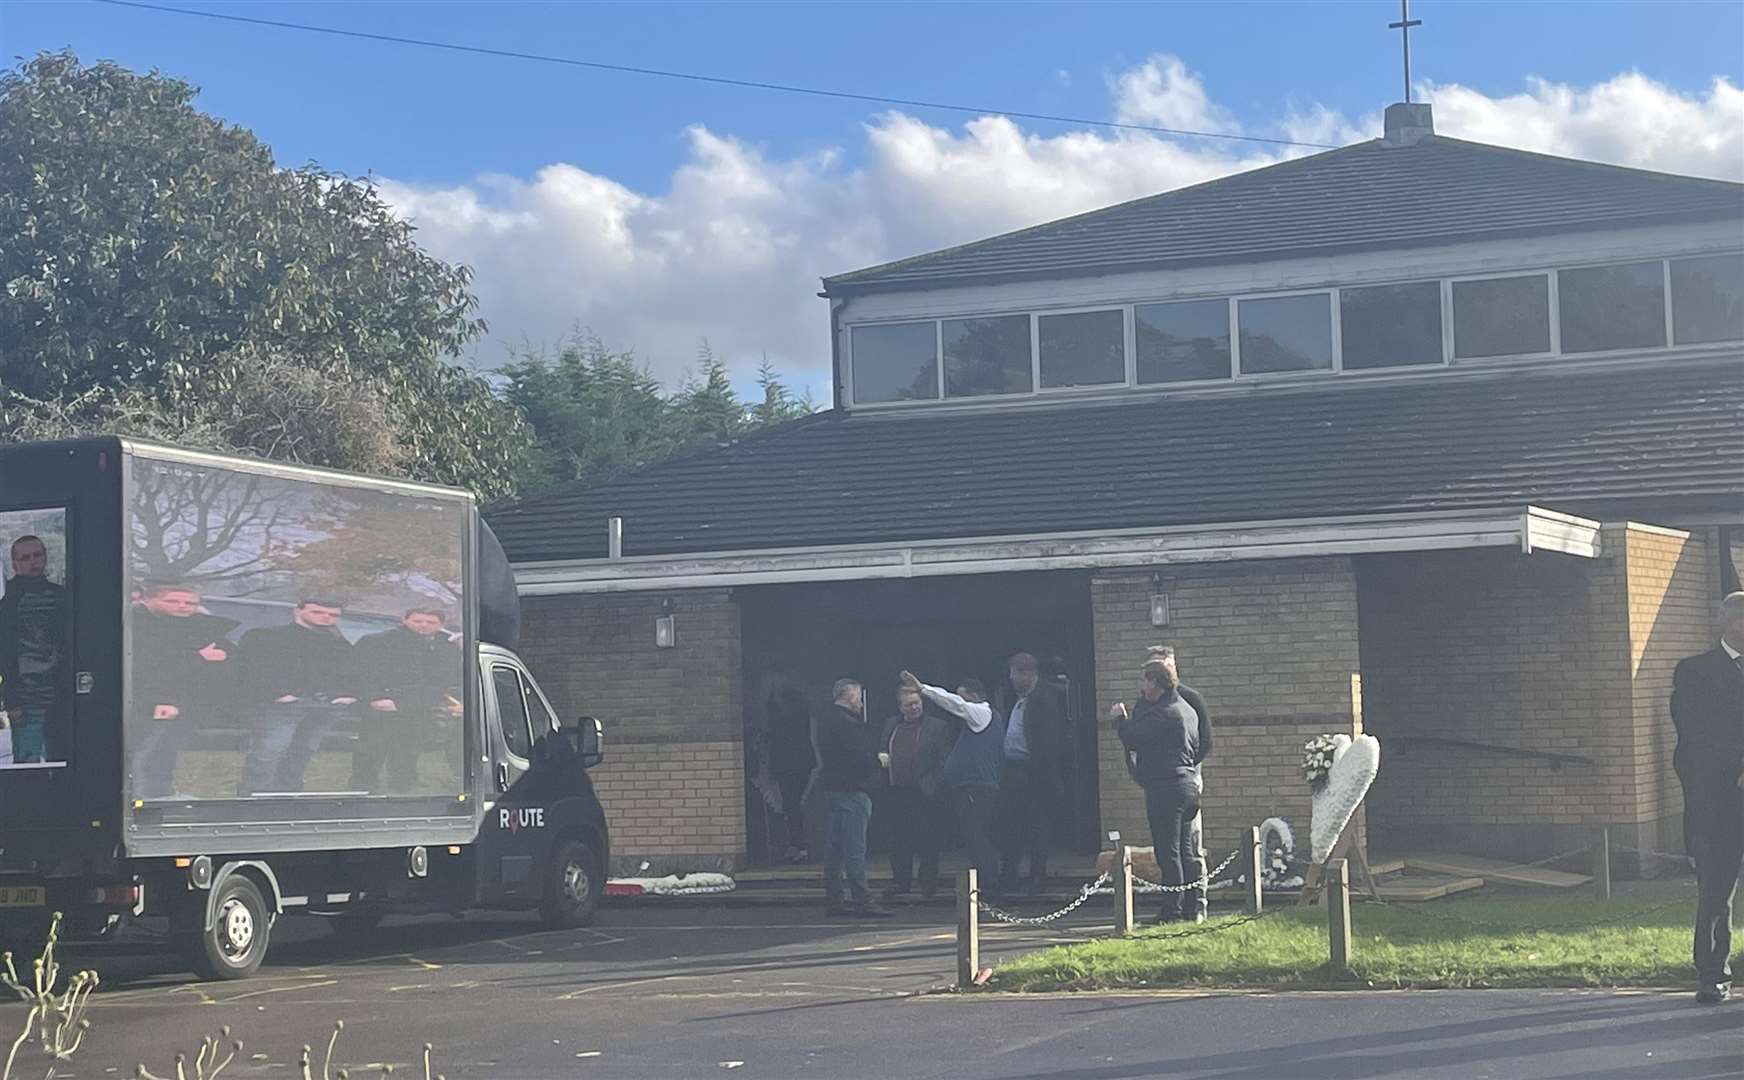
(1159, 600)
(665, 626)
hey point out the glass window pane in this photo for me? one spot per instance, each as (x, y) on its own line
(1501, 316)
(1183, 341)
(35, 640)
(1612, 307)
(537, 714)
(987, 356)
(1286, 333)
(1707, 299)
(1085, 348)
(898, 362)
(1390, 325)
(513, 711)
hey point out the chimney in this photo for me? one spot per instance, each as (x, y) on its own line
(1407, 123)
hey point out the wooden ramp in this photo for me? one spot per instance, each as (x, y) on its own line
(1495, 871)
(1412, 888)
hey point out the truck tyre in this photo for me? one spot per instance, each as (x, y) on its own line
(236, 943)
(573, 883)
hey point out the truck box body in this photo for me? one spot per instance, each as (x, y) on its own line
(214, 654)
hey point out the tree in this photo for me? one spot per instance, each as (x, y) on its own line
(156, 254)
(779, 404)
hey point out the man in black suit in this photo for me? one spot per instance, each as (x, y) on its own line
(1707, 706)
(299, 679)
(1029, 784)
(411, 677)
(182, 675)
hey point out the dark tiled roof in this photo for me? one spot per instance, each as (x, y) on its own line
(1369, 195)
(1663, 438)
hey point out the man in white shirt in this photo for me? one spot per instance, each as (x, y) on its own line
(971, 771)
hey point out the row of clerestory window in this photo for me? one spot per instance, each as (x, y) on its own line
(1649, 304)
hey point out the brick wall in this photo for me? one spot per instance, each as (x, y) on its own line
(1671, 597)
(1539, 652)
(673, 781)
(1272, 646)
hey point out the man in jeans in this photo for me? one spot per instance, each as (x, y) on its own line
(33, 623)
(848, 770)
(1170, 739)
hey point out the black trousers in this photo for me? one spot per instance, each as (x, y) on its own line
(793, 785)
(1714, 822)
(1026, 805)
(976, 808)
(1172, 807)
(916, 827)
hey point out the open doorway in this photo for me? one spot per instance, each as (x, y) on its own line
(944, 630)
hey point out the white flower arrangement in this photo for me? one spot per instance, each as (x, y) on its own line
(1317, 756)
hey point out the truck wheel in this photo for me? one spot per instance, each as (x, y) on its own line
(236, 943)
(573, 881)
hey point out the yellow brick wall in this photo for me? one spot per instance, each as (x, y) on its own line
(673, 782)
(1273, 648)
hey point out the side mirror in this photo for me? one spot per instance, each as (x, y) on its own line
(590, 741)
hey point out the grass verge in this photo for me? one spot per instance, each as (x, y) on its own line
(1623, 942)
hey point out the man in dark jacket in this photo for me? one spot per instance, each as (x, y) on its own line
(298, 681)
(412, 676)
(1029, 783)
(33, 623)
(182, 667)
(848, 770)
(971, 769)
(916, 744)
(1707, 707)
(1163, 731)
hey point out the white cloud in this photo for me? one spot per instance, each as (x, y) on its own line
(733, 249)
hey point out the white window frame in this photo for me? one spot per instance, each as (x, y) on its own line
(1671, 298)
(1234, 344)
(1664, 298)
(1551, 312)
(1331, 294)
(1444, 292)
(938, 363)
(1035, 338)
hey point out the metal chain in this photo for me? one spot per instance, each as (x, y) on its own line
(1084, 894)
(1156, 887)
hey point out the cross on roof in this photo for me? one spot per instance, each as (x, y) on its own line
(1404, 25)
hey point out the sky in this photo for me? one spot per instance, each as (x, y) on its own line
(656, 213)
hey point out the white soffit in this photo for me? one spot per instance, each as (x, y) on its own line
(1526, 529)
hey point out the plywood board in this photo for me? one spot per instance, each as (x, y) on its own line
(1413, 889)
(1503, 873)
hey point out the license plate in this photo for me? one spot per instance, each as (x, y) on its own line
(21, 896)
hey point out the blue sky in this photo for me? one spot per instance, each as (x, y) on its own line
(479, 131)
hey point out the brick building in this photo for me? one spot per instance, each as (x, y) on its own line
(1435, 439)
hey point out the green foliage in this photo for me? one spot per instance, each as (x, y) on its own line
(593, 411)
(155, 254)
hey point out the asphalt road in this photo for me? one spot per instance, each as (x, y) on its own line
(687, 989)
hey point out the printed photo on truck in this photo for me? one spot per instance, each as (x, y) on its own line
(291, 638)
(35, 640)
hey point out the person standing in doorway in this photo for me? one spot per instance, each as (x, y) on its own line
(1029, 783)
(848, 770)
(1164, 732)
(1707, 708)
(916, 744)
(33, 626)
(971, 769)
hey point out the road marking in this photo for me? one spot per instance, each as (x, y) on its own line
(281, 989)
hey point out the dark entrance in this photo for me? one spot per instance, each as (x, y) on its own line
(943, 629)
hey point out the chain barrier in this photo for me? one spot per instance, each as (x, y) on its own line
(1084, 894)
(1141, 885)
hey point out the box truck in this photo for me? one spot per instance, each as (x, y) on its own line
(234, 690)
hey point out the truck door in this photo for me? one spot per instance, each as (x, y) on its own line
(512, 838)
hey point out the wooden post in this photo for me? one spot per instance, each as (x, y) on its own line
(968, 929)
(1602, 863)
(1123, 920)
(1256, 856)
(1338, 912)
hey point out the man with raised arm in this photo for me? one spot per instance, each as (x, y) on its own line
(971, 771)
